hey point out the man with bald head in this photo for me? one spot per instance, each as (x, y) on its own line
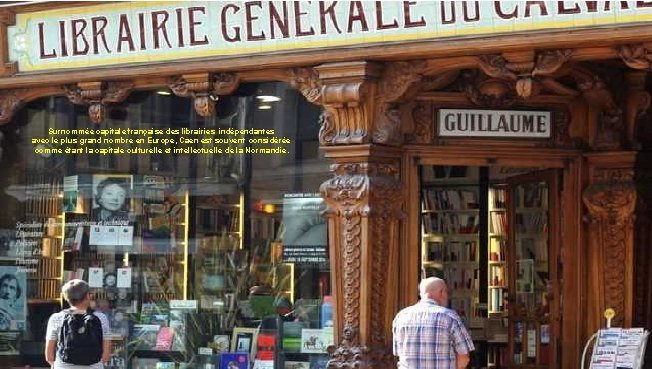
(428, 335)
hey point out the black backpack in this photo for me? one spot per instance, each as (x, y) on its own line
(80, 341)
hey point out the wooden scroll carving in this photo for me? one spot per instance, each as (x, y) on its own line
(204, 89)
(361, 100)
(609, 131)
(96, 95)
(611, 212)
(423, 133)
(7, 68)
(10, 102)
(635, 56)
(526, 72)
(364, 202)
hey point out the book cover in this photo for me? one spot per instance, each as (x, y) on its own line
(96, 277)
(234, 360)
(319, 361)
(221, 343)
(312, 341)
(296, 365)
(164, 339)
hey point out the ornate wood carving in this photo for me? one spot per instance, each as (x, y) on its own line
(10, 102)
(611, 209)
(526, 71)
(423, 124)
(637, 104)
(361, 100)
(204, 89)
(610, 126)
(96, 95)
(488, 92)
(635, 56)
(7, 68)
(364, 203)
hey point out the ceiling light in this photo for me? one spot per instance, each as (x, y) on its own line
(264, 106)
(164, 92)
(268, 98)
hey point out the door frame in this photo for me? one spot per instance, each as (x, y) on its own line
(571, 249)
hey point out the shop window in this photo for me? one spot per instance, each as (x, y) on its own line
(198, 260)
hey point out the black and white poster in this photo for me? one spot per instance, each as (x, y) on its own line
(12, 298)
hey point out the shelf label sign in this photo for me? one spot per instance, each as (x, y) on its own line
(494, 123)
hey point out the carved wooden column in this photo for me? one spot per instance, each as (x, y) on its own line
(610, 199)
(361, 134)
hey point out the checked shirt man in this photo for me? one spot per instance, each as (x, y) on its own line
(427, 335)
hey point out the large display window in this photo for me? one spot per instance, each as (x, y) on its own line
(199, 259)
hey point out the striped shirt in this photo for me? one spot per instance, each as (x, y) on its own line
(52, 333)
(428, 336)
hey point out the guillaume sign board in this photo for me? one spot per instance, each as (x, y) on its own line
(494, 123)
(142, 32)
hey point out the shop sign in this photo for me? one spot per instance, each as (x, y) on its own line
(144, 32)
(494, 123)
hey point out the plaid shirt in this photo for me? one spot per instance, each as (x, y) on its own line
(428, 336)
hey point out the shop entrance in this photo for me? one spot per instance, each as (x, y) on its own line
(492, 232)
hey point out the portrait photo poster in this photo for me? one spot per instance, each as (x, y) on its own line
(111, 196)
(13, 300)
(243, 339)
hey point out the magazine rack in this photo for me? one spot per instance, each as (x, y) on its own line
(616, 347)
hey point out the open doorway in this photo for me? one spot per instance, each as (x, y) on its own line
(492, 233)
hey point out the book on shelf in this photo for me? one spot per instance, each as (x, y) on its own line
(164, 339)
(445, 199)
(234, 360)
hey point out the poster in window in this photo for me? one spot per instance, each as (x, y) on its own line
(13, 302)
(111, 197)
(304, 229)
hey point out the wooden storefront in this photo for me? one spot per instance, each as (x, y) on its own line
(380, 99)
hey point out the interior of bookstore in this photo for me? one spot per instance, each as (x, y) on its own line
(198, 261)
(488, 231)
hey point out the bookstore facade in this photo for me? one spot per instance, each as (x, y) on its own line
(263, 184)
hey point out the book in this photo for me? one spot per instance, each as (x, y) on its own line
(312, 341)
(234, 360)
(319, 361)
(221, 343)
(296, 365)
(164, 339)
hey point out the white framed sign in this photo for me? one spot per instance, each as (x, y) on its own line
(494, 123)
(148, 31)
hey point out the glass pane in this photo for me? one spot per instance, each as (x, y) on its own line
(531, 241)
(182, 250)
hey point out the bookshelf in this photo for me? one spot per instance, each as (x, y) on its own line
(530, 323)
(450, 220)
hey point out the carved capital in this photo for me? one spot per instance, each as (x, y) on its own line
(361, 100)
(612, 203)
(348, 192)
(204, 89)
(635, 56)
(97, 95)
(10, 102)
